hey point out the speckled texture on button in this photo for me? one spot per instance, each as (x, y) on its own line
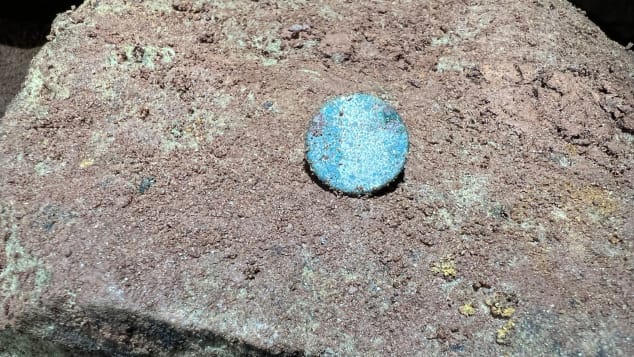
(357, 144)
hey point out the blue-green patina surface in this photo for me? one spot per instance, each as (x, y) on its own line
(357, 144)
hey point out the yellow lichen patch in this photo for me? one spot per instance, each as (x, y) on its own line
(85, 163)
(615, 239)
(599, 199)
(467, 309)
(445, 267)
(571, 149)
(505, 333)
(502, 305)
(504, 312)
(521, 211)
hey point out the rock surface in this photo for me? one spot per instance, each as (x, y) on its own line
(154, 199)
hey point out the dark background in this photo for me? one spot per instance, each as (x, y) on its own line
(615, 17)
(25, 23)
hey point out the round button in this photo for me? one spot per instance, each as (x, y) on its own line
(356, 144)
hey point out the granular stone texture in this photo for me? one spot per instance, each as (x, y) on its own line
(155, 201)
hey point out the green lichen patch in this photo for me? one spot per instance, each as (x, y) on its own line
(465, 30)
(451, 64)
(22, 276)
(48, 166)
(473, 191)
(42, 168)
(42, 83)
(199, 128)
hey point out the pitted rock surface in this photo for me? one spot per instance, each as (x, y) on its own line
(154, 198)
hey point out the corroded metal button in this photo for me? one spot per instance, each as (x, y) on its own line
(357, 144)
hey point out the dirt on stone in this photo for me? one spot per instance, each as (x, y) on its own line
(155, 198)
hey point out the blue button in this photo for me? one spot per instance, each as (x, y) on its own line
(357, 144)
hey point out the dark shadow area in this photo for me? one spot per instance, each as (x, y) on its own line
(14, 65)
(105, 331)
(25, 24)
(391, 187)
(23, 29)
(614, 17)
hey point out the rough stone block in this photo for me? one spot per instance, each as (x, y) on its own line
(154, 199)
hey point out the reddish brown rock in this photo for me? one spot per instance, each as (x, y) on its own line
(154, 201)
